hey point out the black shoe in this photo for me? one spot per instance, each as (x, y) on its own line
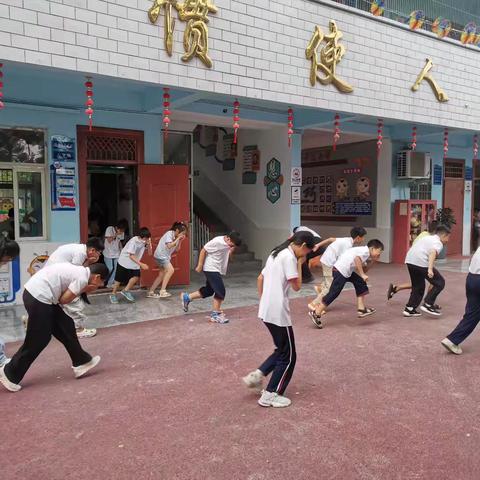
(392, 290)
(437, 307)
(316, 319)
(411, 312)
(431, 310)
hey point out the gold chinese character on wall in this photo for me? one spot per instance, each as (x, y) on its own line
(426, 75)
(195, 37)
(330, 56)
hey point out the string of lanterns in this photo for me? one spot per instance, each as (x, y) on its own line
(413, 145)
(89, 102)
(445, 143)
(236, 120)
(336, 131)
(1, 87)
(379, 136)
(290, 127)
(166, 111)
(475, 147)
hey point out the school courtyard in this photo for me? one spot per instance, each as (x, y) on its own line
(373, 398)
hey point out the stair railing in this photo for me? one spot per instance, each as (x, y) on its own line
(201, 233)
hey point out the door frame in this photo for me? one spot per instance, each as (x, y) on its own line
(83, 133)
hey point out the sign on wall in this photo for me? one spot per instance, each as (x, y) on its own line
(273, 180)
(437, 174)
(296, 195)
(63, 186)
(296, 177)
(63, 149)
(251, 164)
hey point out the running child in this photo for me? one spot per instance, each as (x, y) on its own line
(320, 246)
(420, 262)
(282, 271)
(169, 245)
(44, 293)
(471, 318)
(213, 260)
(129, 264)
(9, 250)
(81, 255)
(113, 247)
(360, 259)
(331, 255)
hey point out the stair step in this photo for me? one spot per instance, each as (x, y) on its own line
(243, 256)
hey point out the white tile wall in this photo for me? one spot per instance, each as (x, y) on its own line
(258, 50)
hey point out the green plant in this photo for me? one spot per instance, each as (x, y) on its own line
(445, 217)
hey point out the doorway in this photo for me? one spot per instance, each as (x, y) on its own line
(112, 196)
(453, 197)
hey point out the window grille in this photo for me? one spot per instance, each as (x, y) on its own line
(111, 148)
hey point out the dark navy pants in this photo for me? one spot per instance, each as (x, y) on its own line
(214, 286)
(339, 282)
(472, 311)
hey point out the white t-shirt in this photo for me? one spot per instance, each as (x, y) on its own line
(346, 262)
(162, 252)
(274, 305)
(475, 263)
(419, 251)
(74, 253)
(51, 282)
(114, 248)
(306, 229)
(135, 247)
(218, 254)
(335, 249)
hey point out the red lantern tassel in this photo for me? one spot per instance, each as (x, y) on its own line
(89, 102)
(236, 120)
(290, 127)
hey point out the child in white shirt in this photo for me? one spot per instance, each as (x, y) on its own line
(169, 245)
(129, 264)
(420, 260)
(113, 247)
(282, 272)
(213, 260)
(44, 293)
(343, 272)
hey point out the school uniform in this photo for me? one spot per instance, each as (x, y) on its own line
(163, 254)
(215, 266)
(417, 264)
(76, 254)
(274, 310)
(46, 317)
(306, 273)
(471, 318)
(344, 271)
(112, 251)
(126, 267)
(331, 255)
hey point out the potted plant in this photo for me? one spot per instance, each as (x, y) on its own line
(445, 217)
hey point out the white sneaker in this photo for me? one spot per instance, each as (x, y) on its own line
(451, 347)
(10, 386)
(272, 399)
(164, 294)
(254, 380)
(25, 321)
(86, 333)
(81, 370)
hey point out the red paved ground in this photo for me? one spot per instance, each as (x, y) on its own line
(376, 398)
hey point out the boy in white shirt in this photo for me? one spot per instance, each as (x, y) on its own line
(471, 318)
(129, 264)
(420, 260)
(332, 254)
(113, 247)
(213, 260)
(44, 293)
(343, 272)
(84, 255)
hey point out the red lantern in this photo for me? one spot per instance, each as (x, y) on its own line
(379, 136)
(166, 111)
(89, 102)
(290, 127)
(445, 143)
(475, 146)
(1, 86)
(236, 119)
(336, 132)
(413, 145)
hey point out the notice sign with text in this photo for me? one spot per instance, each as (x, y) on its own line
(353, 209)
(63, 187)
(63, 149)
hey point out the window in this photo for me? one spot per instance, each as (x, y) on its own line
(177, 149)
(22, 146)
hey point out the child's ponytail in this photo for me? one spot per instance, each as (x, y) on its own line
(298, 238)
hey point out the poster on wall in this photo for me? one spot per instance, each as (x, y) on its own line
(296, 177)
(22, 146)
(251, 164)
(340, 186)
(296, 195)
(63, 187)
(63, 149)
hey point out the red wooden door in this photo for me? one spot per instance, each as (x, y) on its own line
(164, 198)
(453, 197)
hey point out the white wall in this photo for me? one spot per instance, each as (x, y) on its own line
(262, 225)
(258, 50)
(383, 230)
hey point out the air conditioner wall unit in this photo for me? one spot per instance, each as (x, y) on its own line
(412, 164)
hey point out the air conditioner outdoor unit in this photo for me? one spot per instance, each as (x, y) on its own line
(412, 164)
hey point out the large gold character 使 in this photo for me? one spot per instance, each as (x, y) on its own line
(195, 38)
(330, 55)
